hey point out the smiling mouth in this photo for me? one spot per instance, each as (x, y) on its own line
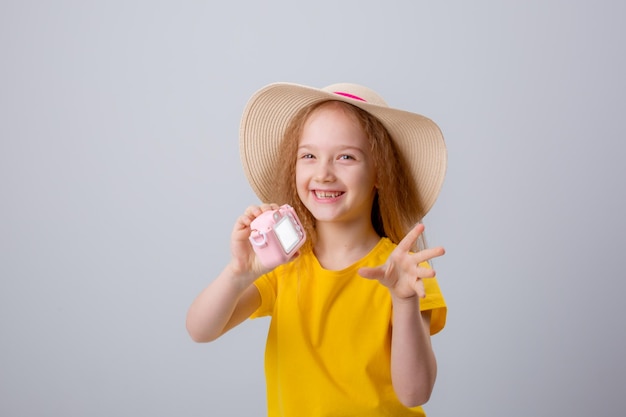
(327, 194)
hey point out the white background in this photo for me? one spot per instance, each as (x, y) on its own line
(120, 180)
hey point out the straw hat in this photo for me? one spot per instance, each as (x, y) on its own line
(269, 111)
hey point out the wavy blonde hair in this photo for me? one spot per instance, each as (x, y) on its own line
(396, 204)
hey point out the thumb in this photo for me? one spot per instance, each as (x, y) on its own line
(372, 273)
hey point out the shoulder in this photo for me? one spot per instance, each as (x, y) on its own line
(304, 260)
(381, 251)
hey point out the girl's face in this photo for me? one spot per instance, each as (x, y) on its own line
(335, 175)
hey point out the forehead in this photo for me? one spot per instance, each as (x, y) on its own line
(334, 120)
(335, 106)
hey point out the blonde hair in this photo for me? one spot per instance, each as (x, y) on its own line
(396, 204)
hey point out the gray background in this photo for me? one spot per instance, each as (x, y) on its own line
(120, 182)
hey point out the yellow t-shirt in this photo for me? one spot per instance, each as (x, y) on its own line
(328, 347)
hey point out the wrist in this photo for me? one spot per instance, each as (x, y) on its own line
(412, 301)
(240, 277)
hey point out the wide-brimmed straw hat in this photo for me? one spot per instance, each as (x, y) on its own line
(269, 111)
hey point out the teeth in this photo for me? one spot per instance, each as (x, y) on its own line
(327, 194)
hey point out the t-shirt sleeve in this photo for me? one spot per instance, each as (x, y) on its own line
(434, 302)
(266, 284)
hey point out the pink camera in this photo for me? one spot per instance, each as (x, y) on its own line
(277, 235)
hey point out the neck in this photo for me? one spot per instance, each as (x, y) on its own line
(339, 245)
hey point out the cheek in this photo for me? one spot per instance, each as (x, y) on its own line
(374, 176)
(367, 178)
(301, 183)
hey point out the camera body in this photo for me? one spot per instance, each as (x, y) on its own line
(277, 235)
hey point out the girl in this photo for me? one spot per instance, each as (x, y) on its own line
(352, 315)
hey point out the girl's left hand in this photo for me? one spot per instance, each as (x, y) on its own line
(402, 273)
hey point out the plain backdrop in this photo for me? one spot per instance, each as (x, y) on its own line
(120, 180)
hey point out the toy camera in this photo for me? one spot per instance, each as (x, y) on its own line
(277, 235)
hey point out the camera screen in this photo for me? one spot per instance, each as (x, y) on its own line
(287, 234)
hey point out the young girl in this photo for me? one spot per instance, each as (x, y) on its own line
(352, 314)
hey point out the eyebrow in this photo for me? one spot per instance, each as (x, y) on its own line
(341, 148)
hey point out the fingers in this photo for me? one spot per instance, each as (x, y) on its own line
(255, 211)
(251, 213)
(403, 272)
(424, 272)
(242, 253)
(418, 287)
(407, 243)
(372, 273)
(428, 254)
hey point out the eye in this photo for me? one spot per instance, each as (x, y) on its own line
(346, 157)
(307, 156)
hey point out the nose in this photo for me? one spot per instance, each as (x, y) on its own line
(324, 171)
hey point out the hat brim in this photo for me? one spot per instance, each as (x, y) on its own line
(269, 111)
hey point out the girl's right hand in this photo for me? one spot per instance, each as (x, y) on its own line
(244, 261)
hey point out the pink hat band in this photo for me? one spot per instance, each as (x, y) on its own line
(341, 93)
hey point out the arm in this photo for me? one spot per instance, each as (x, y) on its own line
(413, 363)
(221, 306)
(231, 297)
